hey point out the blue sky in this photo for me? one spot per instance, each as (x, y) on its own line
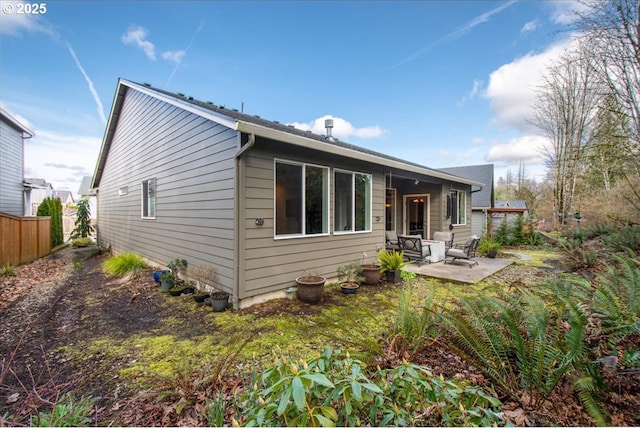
(442, 83)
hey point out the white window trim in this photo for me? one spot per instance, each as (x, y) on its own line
(327, 195)
(464, 192)
(353, 207)
(155, 188)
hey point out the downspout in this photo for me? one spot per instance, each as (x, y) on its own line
(239, 200)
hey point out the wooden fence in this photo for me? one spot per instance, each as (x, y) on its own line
(23, 239)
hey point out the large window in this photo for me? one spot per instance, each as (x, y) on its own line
(458, 207)
(149, 198)
(301, 199)
(352, 211)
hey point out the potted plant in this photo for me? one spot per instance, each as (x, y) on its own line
(219, 300)
(178, 267)
(310, 287)
(391, 262)
(203, 276)
(167, 280)
(350, 278)
(370, 272)
(180, 289)
(488, 247)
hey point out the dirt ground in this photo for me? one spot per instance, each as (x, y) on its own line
(64, 299)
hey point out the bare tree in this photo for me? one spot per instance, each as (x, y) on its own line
(611, 29)
(565, 107)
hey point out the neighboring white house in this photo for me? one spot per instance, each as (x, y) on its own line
(35, 191)
(12, 136)
(85, 192)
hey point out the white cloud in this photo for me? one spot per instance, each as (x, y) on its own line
(92, 89)
(342, 129)
(138, 36)
(175, 56)
(459, 32)
(61, 159)
(530, 26)
(14, 23)
(512, 87)
(475, 90)
(566, 12)
(528, 149)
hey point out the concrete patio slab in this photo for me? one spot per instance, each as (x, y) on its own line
(459, 271)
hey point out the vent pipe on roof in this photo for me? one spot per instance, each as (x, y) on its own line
(328, 124)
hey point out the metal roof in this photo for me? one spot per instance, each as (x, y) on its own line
(256, 125)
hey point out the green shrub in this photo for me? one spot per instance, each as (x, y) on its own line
(413, 327)
(81, 242)
(83, 225)
(519, 340)
(624, 239)
(123, 264)
(53, 208)
(67, 412)
(487, 244)
(335, 390)
(8, 270)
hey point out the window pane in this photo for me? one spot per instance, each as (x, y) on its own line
(390, 210)
(363, 202)
(454, 207)
(344, 201)
(463, 208)
(316, 200)
(288, 199)
(152, 198)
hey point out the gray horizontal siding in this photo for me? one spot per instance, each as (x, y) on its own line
(273, 264)
(192, 160)
(11, 169)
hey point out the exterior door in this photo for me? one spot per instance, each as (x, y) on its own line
(416, 215)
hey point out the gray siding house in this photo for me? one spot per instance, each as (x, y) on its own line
(260, 201)
(12, 136)
(482, 199)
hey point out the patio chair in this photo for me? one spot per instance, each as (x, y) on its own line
(413, 248)
(447, 237)
(465, 252)
(391, 240)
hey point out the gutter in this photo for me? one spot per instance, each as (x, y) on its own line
(239, 206)
(275, 134)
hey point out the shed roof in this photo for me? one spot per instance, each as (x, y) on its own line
(256, 125)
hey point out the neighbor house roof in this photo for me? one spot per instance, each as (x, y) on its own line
(518, 204)
(483, 198)
(85, 187)
(37, 183)
(64, 195)
(15, 123)
(252, 124)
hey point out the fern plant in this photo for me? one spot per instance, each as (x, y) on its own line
(413, 326)
(520, 341)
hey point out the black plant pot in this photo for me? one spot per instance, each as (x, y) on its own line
(349, 288)
(492, 254)
(176, 291)
(199, 297)
(219, 301)
(393, 276)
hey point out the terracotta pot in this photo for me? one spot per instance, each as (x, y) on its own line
(310, 288)
(371, 274)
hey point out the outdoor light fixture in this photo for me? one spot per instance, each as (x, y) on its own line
(259, 221)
